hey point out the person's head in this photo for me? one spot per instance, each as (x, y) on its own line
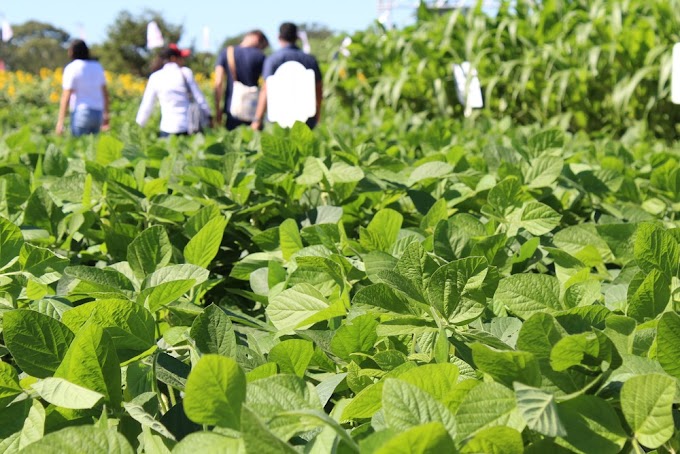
(78, 50)
(288, 33)
(170, 54)
(183, 53)
(255, 38)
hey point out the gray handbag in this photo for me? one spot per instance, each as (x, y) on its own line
(197, 120)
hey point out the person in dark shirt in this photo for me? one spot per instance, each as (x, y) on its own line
(249, 58)
(288, 36)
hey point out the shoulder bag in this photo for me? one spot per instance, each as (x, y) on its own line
(197, 120)
(244, 99)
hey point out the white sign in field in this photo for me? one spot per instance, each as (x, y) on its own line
(675, 75)
(468, 87)
(291, 94)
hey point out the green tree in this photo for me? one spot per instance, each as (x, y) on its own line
(125, 51)
(202, 63)
(35, 45)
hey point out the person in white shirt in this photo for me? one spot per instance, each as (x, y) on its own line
(171, 85)
(84, 90)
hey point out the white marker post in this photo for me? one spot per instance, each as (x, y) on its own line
(291, 94)
(154, 37)
(675, 75)
(468, 87)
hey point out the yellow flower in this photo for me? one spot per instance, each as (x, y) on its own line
(54, 97)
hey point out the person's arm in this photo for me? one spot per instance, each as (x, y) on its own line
(261, 108)
(106, 116)
(63, 106)
(319, 98)
(146, 107)
(319, 89)
(218, 90)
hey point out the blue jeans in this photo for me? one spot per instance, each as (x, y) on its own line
(164, 135)
(85, 121)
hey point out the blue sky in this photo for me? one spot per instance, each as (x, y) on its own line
(223, 17)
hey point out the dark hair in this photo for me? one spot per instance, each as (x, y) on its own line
(168, 53)
(78, 50)
(262, 40)
(288, 32)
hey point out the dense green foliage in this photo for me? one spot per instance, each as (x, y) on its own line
(394, 281)
(487, 290)
(587, 65)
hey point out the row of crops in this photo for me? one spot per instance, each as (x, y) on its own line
(400, 280)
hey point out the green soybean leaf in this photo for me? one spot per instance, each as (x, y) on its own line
(62, 393)
(131, 327)
(203, 247)
(647, 404)
(98, 280)
(539, 410)
(293, 356)
(538, 218)
(434, 169)
(487, 405)
(383, 296)
(289, 238)
(213, 332)
(453, 239)
(281, 393)
(507, 367)
(81, 440)
(436, 379)
(648, 295)
(34, 425)
(38, 261)
(382, 231)
(668, 340)
(91, 362)
(526, 294)
(215, 392)
(591, 349)
(495, 440)
(11, 241)
(357, 336)
(416, 265)
(37, 342)
(455, 289)
(592, 425)
(149, 251)
(406, 406)
(155, 298)
(9, 384)
(543, 171)
(290, 309)
(423, 439)
(140, 415)
(656, 249)
(176, 273)
(208, 442)
(258, 438)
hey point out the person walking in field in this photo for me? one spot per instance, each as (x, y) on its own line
(84, 91)
(239, 68)
(288, 37)
(176, 90)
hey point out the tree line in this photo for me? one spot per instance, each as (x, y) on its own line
(37, 45)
